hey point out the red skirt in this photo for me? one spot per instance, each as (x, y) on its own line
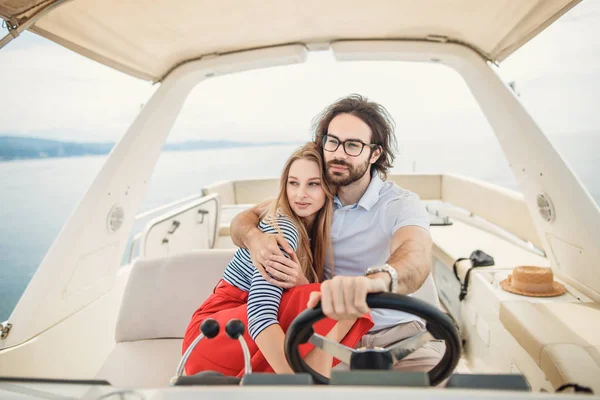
(224, 355)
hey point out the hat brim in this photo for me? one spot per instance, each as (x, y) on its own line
(557, 290)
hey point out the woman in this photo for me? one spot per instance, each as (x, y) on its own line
(302, 213)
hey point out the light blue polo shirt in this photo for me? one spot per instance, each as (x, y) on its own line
(361, 235)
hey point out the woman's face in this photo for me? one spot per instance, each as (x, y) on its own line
(304, 188)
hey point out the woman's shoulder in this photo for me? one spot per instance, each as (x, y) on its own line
(280, 219)
(279, 216)
(280, 223)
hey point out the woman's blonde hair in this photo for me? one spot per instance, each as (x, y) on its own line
(312, 253)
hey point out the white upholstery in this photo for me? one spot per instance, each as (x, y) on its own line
(562, 338)
(142, 364)
(159, 299)
(162, 293)
(570, 363)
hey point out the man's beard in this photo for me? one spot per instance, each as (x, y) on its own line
(354, 173)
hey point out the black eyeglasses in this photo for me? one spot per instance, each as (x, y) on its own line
(352, 147)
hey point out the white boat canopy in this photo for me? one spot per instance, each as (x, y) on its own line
(149, 39)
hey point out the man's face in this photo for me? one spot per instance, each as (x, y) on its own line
(343, 169)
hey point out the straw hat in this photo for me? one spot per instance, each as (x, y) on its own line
(533, 281)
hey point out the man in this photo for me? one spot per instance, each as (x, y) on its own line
(376, 224)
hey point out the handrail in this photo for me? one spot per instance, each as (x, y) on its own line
(145, 214)
(168, 205)
(181, 210)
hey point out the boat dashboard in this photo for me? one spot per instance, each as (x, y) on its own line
(348, 385)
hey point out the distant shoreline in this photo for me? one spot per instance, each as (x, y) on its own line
(15, 148)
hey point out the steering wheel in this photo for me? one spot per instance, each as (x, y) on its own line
(439, 326)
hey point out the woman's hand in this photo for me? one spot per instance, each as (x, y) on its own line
(286, 273)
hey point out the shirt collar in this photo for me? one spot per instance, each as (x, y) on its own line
(370, 197)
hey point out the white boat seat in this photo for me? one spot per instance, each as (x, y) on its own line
(159, 299)
(562, 338)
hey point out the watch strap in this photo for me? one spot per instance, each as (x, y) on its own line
(390, 270)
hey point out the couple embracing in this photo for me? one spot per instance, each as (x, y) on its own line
(336, 232)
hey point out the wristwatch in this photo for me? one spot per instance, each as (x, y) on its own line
(390, 270)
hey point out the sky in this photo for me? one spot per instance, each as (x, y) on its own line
(50, 92)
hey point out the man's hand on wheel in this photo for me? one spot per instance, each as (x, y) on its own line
(345, 297)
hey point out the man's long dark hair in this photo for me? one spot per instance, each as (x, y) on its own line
(374, 115)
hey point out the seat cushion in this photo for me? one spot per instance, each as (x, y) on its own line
(570, 363)
(162, 294)
(562, 338)
(158, 302)
(142, 364)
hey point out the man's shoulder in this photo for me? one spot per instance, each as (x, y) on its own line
(402, 207)
(392, 192)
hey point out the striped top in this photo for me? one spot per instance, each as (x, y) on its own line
(263, 297)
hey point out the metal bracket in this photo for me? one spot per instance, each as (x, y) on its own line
(174, 227)
(438, 38)
(5, 328)
(202, 214)
(13, 27)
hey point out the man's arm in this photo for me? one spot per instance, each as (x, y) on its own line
(245, 233)
(411, 258)
(244, 226)
(345, 297)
